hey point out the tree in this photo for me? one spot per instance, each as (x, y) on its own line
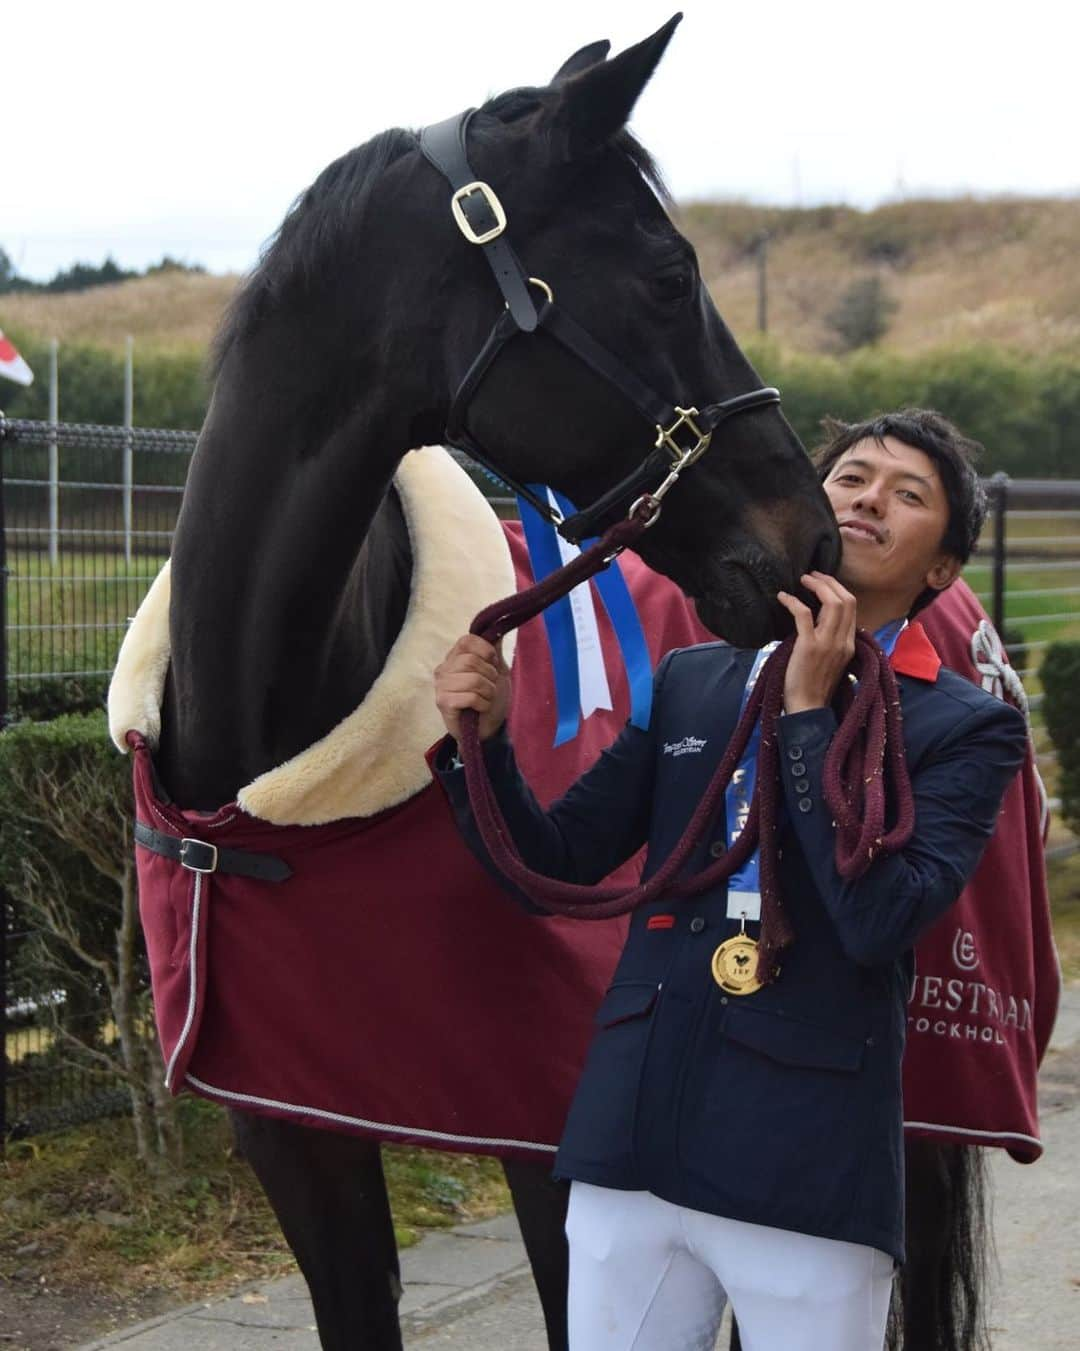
(862, 314)
(81, 276)
(8, 275)
(67, 859)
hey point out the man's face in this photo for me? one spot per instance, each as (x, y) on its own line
(892, 510)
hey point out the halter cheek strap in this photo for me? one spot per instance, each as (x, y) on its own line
(682, 434)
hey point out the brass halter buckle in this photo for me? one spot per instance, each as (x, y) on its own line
(683, 455)
(493, 205)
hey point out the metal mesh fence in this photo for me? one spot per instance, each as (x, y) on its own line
(58, 1039)
(1036, 586)
(88, 515)
(86, 520)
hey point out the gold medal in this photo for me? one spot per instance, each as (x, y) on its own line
(734, 965)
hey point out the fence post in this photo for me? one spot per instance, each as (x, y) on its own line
(999, 490)
(3, 585)
(3, 1019)
(129, 447)
(54, 452)
(763, 282)
(3, 724)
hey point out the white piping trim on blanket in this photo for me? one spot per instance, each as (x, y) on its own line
(967, 1130)
(341, 1119)
(193, 977)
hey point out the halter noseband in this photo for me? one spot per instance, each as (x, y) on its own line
(682, 434)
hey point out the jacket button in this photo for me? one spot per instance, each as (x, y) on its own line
(697, 924)
(799, 767)
(869, 1041)
(795, 753)
(717, 848)
(802, 785)
(723, 999)
(805, 804)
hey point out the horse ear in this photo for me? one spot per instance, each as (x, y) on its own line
(588, 56)
(595, 104)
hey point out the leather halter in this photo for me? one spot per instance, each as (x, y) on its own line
(682, 434)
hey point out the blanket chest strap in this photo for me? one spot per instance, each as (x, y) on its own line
(200, 857)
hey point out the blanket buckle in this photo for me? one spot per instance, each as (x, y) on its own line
(198, 856)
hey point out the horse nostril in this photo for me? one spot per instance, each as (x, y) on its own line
(826, 555)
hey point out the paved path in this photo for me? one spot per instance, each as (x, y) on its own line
(469, 1288)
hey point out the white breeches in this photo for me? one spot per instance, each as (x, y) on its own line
(646, 1275)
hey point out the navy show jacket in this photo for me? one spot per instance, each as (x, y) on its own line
(782, 1107)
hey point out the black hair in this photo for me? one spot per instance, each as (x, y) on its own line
(308, 242)
(954, 455)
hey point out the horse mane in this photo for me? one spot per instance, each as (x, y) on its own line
(323, 218)
(326, 217)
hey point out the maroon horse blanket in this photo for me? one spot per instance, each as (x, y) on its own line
(388, 988)
(987, 976)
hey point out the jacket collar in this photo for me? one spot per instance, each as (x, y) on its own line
(915, 655)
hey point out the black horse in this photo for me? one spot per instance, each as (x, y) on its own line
(291, 563)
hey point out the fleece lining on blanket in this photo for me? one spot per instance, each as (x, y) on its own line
(374, 758)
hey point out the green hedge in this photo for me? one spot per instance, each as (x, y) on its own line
(171, 389)
(70, 763)
(1060, 676)
(1025, 410)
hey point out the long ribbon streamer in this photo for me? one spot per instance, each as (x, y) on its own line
(547, 553)
(626, 623)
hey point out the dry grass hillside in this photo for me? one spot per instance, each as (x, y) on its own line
(1002, 271)
(169, 311)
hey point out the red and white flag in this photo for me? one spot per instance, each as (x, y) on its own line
(12, 366)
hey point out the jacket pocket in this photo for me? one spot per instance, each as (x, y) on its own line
(622, 1003)
(789, 1041)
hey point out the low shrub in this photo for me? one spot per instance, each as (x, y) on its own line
(1060, 675)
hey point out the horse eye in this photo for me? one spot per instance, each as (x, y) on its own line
(671, 287)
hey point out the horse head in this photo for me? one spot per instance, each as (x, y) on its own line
(392, 305)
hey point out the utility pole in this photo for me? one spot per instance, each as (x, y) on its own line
(129, 445)
(54, 452)
(763, 282)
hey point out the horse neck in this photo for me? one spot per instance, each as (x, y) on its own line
(290, 579)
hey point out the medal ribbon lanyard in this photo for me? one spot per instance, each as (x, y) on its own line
(744, 888)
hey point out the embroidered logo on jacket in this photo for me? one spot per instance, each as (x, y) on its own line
(689, 745)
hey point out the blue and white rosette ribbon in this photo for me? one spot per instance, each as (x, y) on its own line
(577, 657)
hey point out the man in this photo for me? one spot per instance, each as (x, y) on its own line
(748, 1146)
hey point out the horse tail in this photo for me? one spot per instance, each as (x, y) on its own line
(939, 1299)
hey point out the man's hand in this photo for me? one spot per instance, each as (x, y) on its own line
(823, 649)
(473, 675)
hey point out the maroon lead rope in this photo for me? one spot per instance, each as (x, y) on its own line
(866, 749)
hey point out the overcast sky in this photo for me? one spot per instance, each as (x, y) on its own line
(145, 128)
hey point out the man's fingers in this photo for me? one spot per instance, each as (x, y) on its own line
(836, 618)
(462, 682)
(802, 614)
(470, 663)
(845, 609)
(455, 701)
(829, 589)
(473, 644)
